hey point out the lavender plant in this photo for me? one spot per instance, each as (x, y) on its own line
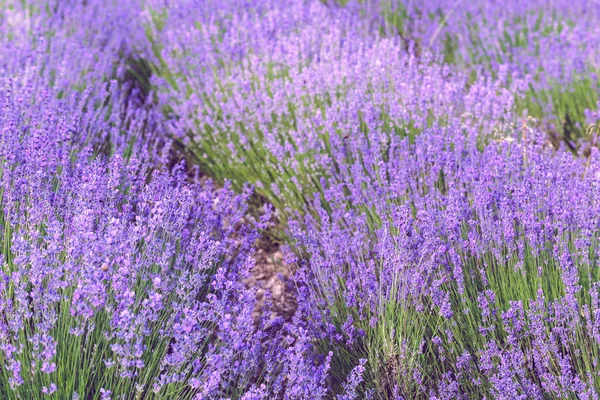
(115, 283)
(553, 44)
(276, 104)
(479, 278)
(83, 49)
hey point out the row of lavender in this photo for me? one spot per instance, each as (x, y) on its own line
(444, 248)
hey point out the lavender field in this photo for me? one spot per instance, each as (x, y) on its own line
(299, 199)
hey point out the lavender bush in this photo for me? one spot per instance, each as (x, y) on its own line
(120, 278)
(553, 44)
(462, 273)
(115, 283)
(277, 104)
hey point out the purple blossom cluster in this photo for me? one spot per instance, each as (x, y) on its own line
(494, 252)
(73, 43)
(515, 33)
(552, 45)
(113, 277)
(122, 279)
(81, 52)
(402, 154)
(284, 94)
